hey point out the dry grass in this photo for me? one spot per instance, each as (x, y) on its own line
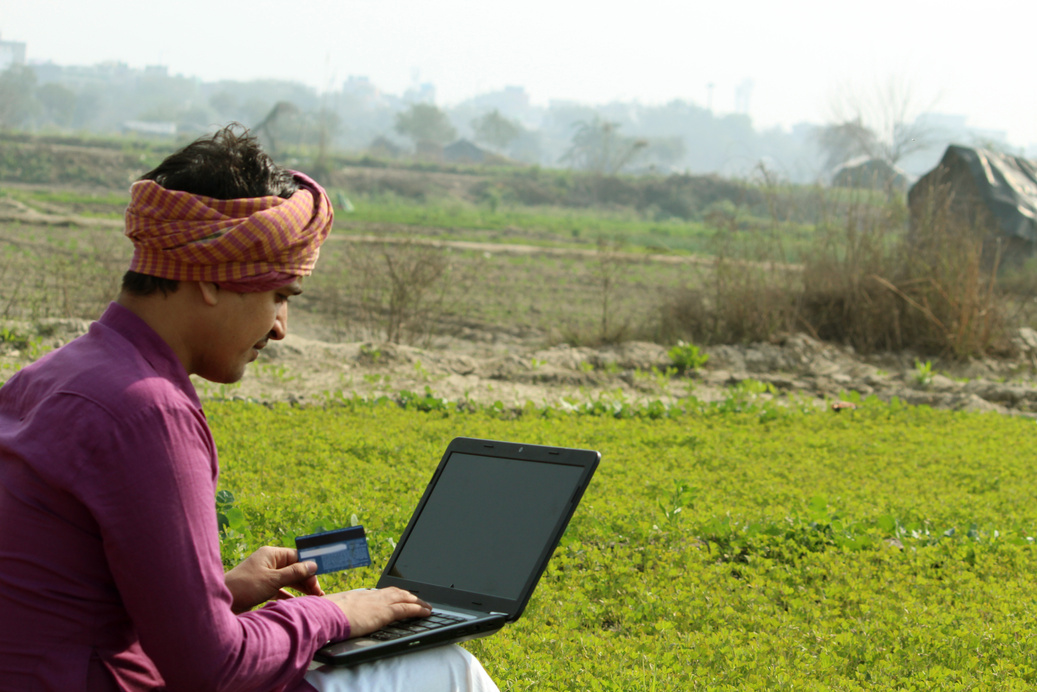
(866, 283)
(933, 290)
(50, 272)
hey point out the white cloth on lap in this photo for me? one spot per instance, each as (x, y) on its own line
(442, 669)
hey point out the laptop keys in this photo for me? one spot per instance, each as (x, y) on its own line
(414, 626)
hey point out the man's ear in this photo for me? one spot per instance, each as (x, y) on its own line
(210, 292)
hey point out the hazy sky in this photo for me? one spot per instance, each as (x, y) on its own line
(974, 59)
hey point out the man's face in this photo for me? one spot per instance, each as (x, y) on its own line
(242, 325)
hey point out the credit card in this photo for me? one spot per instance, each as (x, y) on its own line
(335, 550)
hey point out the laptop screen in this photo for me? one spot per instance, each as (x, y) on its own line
(486, 523)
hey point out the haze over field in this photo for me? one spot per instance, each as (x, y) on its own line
(778, 61)
(775, 65)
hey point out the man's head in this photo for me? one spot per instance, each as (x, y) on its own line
(228, 164)
(220, 216)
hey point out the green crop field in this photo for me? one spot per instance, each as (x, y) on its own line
(729, 546)
(540, 225)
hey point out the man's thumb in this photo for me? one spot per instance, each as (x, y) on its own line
(298, 571)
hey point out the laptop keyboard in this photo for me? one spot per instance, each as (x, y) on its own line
(405, 628)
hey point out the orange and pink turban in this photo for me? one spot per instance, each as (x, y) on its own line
(250, 244)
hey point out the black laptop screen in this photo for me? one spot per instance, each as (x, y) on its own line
(486, 523)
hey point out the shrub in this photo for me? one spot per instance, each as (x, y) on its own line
(687, 357)
(866, 283)
(875, 287)
(396, 288)
(741, 302)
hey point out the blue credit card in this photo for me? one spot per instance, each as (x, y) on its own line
(335, 550)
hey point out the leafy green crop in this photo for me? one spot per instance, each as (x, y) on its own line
(729, 546)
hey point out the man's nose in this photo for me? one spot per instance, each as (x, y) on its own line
(280, 327)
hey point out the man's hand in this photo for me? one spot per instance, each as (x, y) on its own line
(372, 609)
(264, 574)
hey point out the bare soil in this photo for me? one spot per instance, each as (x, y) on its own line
(488, 366)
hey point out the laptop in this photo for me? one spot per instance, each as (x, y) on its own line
(477, 543)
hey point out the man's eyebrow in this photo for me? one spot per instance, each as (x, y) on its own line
(294, 288)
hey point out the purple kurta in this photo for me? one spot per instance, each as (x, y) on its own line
(110, 570)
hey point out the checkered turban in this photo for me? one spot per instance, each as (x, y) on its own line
(250, 244)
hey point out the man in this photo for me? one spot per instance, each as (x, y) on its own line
(110, 570)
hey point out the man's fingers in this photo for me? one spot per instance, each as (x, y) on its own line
(370, 609)
(404, 604)
(411, 610)
(310, 587)
(298, 571)
(300, 576)
(405, 597)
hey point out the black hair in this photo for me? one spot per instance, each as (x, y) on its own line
(138, 284)
(228, 164)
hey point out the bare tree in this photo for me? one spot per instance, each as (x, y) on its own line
(841, 142)
(598, 147)
(607, 269)
(402, 287)
(282, 110)
(881, 122)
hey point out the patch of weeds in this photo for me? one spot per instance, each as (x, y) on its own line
(212, 390)
(687, 357)
(371, 352)
(745, 397)
(14, 338)
(235, 533)
(660, 379)
(681, 497)
(422, 402)
(32, 347)
(923, 373)
(277, 373)
(663, 377)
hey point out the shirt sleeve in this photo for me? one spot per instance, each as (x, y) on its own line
(151, 487)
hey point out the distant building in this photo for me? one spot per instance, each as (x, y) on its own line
(420, 93)
(361, 88)
(512, 100)
(384, 148)
(11, 53)
(864, 172)
(463, 151)
(151, 129)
